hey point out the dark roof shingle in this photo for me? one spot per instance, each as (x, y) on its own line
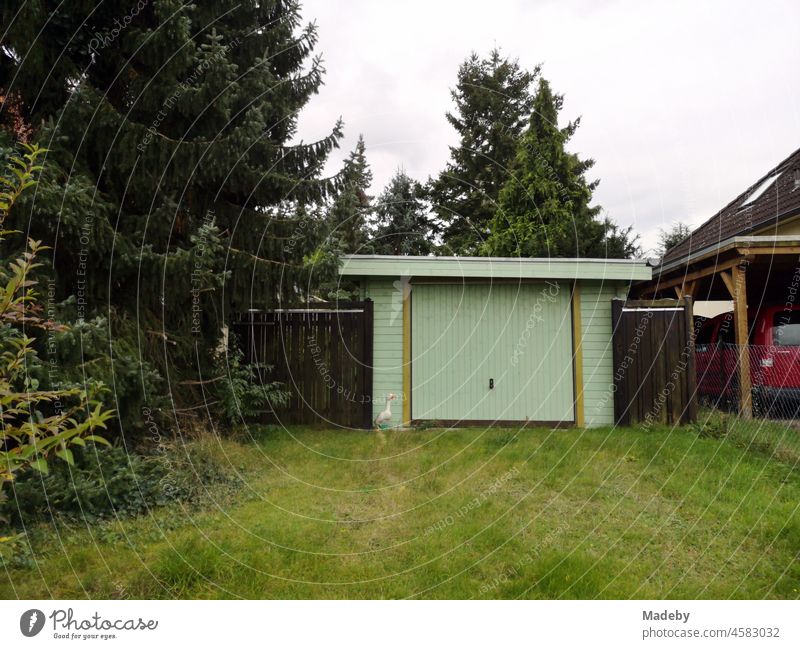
(780, 200)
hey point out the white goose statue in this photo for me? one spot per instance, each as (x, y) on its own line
(383, 419)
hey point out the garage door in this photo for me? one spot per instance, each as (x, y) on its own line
(484, 352)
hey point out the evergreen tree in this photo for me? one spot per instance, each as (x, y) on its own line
(36, 423)
(545, 207)
(493, 101)
(349, 213)
(402, 224)
(173, 195)
(670, 238)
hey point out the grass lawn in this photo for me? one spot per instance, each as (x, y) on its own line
(468, 513)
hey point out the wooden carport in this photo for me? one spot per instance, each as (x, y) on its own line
(750, 270)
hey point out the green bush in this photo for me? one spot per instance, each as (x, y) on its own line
(82, 349)
(110, 481)
(242, 394)
(37, 423)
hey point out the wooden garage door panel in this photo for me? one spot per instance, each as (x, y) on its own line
(518, 335)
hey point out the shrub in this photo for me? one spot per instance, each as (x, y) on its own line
(109, 481)
(36, 423)
(241, 391)
(83, 350)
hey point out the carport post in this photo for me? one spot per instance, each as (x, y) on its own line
(739, 294)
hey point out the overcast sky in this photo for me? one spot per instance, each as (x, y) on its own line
(683, 104)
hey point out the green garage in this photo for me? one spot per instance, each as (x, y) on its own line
(481, 340)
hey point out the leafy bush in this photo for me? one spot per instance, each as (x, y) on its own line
(110, 481)
(36, 423)
(241, 389)
(83, 350)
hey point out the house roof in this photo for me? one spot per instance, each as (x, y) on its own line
(772, 198)
(495, 267)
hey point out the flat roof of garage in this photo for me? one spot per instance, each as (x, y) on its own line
(494, 267)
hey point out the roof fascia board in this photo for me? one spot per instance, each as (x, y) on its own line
(725, 246)
(492, 267)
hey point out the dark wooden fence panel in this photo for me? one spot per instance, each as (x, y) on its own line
(322, 354)
(654, 362)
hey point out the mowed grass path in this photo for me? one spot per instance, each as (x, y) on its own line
(466, 513)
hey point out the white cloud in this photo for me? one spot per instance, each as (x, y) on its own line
(683, 104)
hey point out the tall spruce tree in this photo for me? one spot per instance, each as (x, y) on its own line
(545, 206)
(493, 101)
(402, 223)
(172, 195)
(349, 212)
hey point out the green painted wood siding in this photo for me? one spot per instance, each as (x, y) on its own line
(518, 335)
(387, 374)
(597, 347)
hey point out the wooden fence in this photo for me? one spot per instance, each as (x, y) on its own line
(322, 354)
(654, 362)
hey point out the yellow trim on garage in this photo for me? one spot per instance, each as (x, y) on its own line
(577, 354)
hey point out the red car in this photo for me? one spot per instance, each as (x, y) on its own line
(774, 347)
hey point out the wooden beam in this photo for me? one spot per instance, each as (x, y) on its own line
(690, 289)
(740, 329)
(651, 304)
(770, 250)
(678, 292)
(727, 279)
(691, 277)
(577, 354)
